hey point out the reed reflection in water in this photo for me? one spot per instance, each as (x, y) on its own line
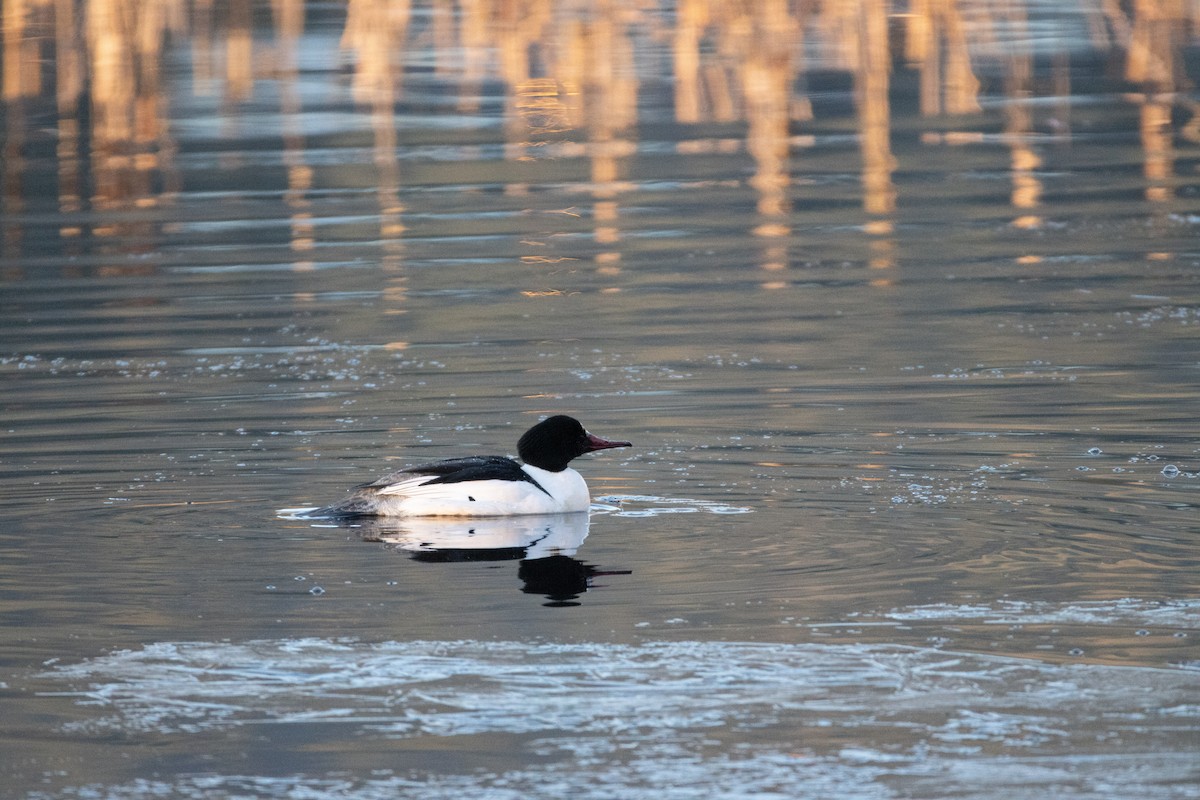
(108, 73)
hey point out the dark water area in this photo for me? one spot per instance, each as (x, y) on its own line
(900, 308)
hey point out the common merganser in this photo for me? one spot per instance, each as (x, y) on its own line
(486, 486)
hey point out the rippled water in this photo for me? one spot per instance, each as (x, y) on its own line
(912, 506)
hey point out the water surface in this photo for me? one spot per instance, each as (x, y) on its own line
(909, 356)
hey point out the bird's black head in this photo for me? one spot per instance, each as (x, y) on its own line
(552, 443)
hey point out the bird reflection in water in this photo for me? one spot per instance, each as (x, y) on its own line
(544, 545)
(560, 578)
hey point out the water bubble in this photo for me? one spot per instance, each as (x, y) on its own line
(1075, 651)
(1094, 451)
(1141, 632)
(316, 590)
(1170, 471)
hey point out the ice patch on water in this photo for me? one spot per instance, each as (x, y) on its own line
(1183, 613)
(657, 720)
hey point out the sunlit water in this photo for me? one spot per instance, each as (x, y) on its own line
(911, 510)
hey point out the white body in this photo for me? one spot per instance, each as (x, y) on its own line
(566, 492)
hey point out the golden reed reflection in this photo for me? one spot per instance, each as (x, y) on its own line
(376, 32)
(1018, 128)
(572, 76)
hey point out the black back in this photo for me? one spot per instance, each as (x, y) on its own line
(459, 470)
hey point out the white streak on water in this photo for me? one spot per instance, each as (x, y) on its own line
(1181, 613)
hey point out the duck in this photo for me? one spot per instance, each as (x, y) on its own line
(486, 486)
